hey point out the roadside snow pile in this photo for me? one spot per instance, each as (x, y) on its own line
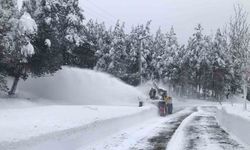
(98, 105)
(81, 86)
(236, 121)
(65, 127)
(177, 141)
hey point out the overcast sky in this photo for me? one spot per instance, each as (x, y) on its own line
(182, 14)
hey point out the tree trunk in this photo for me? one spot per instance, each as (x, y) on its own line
(14, 86)
(245, 94)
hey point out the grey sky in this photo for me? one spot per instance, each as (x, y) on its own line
(182, 14)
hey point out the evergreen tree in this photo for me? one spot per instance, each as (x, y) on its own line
(239, 41)
(31, 7)
(71, 29)
(60, 35)
(159, 48)
(220, 66)
(142, 51)
(100, 40)
(196, 54)
(204, 79)
(24, 50)
(181, 73)
(172, 48)
(132, 61)
(8, 19)
(48, 57)
(18, 32)
(118, 52)
(239, 37)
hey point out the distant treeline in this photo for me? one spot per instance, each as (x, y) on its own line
(45, 35)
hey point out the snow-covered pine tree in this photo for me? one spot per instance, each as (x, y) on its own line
(239, 38)
(3, 82)
(17, 37)
(71, 29)
(147, 52)
(26, 30)
(195, 55)
(118, 53)
(132, 61)
(48, 57)
(159, 48)
(141, 44)
(103, 51)
(172, 48)
(220, 77)
(31, 7)
(205, 69)
(100, 40)
(84, 55)
(181, 72)
(60, 33)
(8, 19)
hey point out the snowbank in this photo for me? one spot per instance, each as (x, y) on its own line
(65, 127)
(235, 121)
(11, 103)
(177, 140)
(81, 86)
(96, 105)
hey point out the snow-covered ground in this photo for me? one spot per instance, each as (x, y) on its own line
(33, 128)
(201, 131)
(137, 137)
(82, 109)
(193, 128)
(236, 120)
(72, 104)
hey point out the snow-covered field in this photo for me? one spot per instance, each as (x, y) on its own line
(74, 105)
(81, 109)
(33, 128)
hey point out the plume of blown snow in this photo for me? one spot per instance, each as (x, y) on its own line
(81, 86)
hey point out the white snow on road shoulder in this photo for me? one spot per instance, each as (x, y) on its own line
(28, 124)
(235, 120)
(72, 108)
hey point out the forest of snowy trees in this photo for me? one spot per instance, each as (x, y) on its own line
(45, 35)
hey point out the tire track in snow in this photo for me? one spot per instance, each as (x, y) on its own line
(160, 141)
(204, 131)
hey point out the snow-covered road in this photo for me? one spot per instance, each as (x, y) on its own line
(152, 134)
(66, 117)
(194, 128)
(121, 128)
(206, 133)
(201, 131)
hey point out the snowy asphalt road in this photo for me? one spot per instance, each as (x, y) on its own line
(152, 134)
(160, 140)
(190, 129)
(204, 132)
